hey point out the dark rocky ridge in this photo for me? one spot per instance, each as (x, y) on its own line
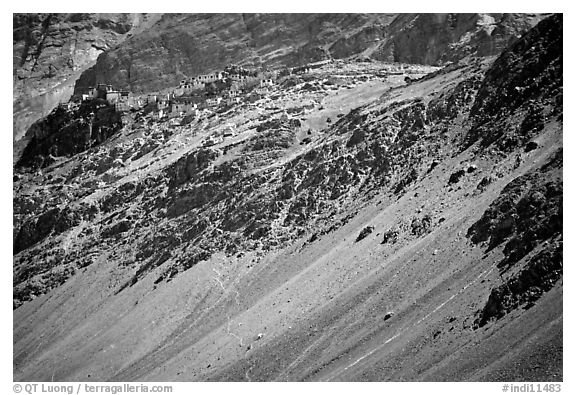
(64, 133)
(527, 216)
(528, 75)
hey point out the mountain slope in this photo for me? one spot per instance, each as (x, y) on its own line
(411, 237)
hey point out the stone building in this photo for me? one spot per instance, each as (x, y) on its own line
(187, 87)
(102, 90)
(233, 100)
(213, 101)
(122, 106)
(113, 96)
(266, 82)
(207, 78)
(93, 92)
(182, 107)
(163, 103)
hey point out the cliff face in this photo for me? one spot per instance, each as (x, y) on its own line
(186, 45)
(50, 51)
(439, 38)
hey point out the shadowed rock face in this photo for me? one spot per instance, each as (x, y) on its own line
(527, 215)
(534, 69)
(65, 133)
(438, 38)
(539, 274)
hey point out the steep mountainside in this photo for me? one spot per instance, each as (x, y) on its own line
(50, 51)
(187, 45)
(356, 226)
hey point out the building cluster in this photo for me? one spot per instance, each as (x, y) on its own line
(201, 95)
(199, 82)
(234, 84)
(230, 86)
(122, 100)
(188, 97)
(234, 76)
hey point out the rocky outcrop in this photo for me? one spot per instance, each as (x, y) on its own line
(189, 168)
(533, 87)
(68, 132)
(523, 290)
(527, 212)
(53, 221)
(527, 217)
(364, 233)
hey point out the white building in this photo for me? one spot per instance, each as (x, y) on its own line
(213, 101)
(207, 78)
(266, 82)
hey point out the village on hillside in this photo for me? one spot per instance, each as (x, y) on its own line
(206, 96)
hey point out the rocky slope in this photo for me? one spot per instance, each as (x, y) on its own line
(409, 237)
(50, 51)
